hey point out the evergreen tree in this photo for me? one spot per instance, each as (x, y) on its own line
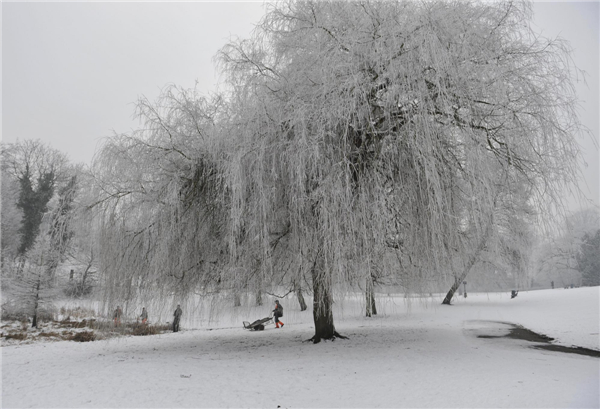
(37, 169)
(33, 203)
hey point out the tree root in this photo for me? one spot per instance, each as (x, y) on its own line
(316, 340)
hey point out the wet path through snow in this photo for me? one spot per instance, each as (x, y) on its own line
(506, 330)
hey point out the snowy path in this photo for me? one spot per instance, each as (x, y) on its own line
(428, 358)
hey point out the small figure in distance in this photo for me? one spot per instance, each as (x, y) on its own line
(117, 316)
(278, 312)
(144, 315)
(177, 317)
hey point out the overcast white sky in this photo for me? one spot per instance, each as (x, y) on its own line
(72, 71)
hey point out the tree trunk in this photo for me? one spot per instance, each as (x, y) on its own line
(303, 306)
(34, 320)
(86, 272)
(322, 308)
(370, 298)
(322, 302)
(373, 307)
(298, 291)
(474, 257)
(82, 289)
(259, 300)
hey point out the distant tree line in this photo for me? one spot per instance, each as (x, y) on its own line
(42, 226)
(571, 256)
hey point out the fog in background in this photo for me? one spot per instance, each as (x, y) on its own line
(71, 72)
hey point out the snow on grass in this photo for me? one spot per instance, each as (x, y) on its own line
(420, 354)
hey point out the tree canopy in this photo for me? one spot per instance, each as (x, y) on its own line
(354, 141)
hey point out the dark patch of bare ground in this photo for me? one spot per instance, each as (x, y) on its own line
(520, 332)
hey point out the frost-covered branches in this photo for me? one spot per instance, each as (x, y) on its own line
(396, 125)
(159, 195)
(358, 142)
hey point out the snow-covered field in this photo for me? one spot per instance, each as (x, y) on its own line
(417, 354)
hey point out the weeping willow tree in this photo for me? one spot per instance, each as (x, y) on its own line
(158, 202)
(370, 127)
(355, 142)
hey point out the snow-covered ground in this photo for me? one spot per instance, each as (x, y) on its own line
(417, 354)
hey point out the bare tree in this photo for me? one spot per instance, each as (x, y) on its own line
(61, 229)
(32, 291)
(82, 227)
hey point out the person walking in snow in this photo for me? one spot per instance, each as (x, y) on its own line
(277, 313)
(144, 315)
(117, 316)
(177, 317)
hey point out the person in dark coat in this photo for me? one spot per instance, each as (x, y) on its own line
(177, 318)
(117, 316)
(277, 313)
(144, 315)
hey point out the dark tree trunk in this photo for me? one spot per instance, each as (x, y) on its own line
(322, 303)
(474, 257)
(34, 320)
(82, 287)
(373, 307)
(85, 274)
(455, 286)
(303, 306)
(298, 291)
(370, 298)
